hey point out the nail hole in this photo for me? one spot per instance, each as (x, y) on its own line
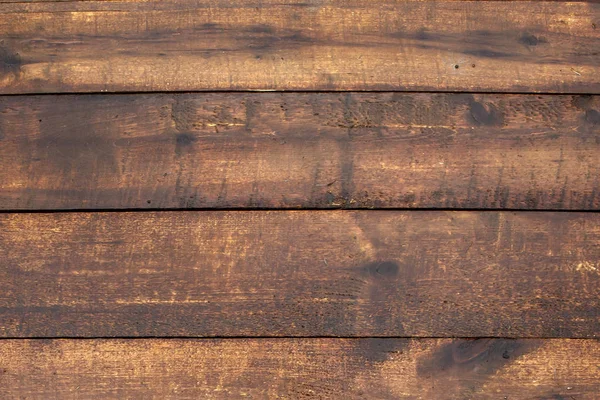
(456, 66)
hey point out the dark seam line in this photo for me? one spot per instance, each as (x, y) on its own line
(292, 91)
(244, 209)
(295, 337)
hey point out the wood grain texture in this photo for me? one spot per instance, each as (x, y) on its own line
(325, 150)
(300, 368)
(300, 273)
(525, 46)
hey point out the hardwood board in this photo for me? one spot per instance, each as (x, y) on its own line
(94, 46)
(300, 368)
(300, 273)
(299, 150)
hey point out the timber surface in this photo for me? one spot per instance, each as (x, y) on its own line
(166, 233)
(98, 46)
(322, 150)
(300, 273)
(301, 368)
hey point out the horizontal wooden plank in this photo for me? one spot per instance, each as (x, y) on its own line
(300, 368)
(320, 150)
(524, 46)
(300, 273)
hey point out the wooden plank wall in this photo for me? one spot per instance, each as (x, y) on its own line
(410, 212)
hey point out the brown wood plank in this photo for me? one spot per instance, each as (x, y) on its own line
(325, 150)
(300, 368)
(300, 273)
(525, 46)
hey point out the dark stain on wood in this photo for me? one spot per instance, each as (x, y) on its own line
(373, 351)
(381, 270)
(592, 117)
(583, 101)
(10, 63)
(90, 153)
(482, 115)
(531, 40)
(183, 141)
(485, 356)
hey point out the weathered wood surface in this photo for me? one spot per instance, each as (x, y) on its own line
(273, 150)
(300, 273)
(442, 369)
(83, 46)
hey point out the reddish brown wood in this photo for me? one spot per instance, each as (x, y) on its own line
(300, 273)
(298, 150)
(157, 45)
(300, 368)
